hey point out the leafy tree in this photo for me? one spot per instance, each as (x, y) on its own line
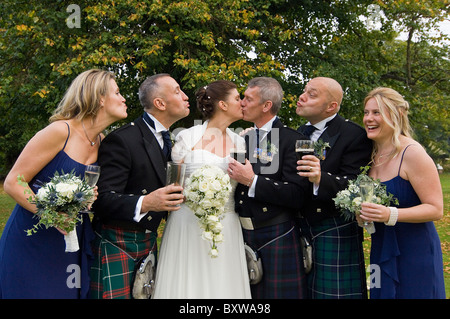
(198, 41)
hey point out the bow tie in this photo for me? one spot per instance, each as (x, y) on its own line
(165, 135)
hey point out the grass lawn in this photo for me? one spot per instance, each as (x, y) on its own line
(443, 226)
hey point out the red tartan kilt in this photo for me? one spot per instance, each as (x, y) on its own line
(112, 269)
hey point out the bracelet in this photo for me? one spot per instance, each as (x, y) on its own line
(392, 217)
(251, 181)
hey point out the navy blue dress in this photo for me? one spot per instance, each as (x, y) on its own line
(37, 266)
(409, 254)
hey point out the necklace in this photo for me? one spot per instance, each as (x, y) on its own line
(85, 133)
(381, 156)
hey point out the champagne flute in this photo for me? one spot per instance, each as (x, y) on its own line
(304, 147)
(366, 193)
(91, 175)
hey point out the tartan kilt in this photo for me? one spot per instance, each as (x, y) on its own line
(282, 262)
(338, 260)
(112, 270)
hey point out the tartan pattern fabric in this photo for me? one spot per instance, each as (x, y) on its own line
(112, 269)
(338, 261)
(283, 272)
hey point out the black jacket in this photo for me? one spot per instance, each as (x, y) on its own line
(132, 164)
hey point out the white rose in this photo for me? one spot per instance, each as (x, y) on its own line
(206, 203)
(208, 173)
(216, 186)
(207, 235)
(66, 190)
(218, 238)
(199, 211)
(213, 219)
(42, 193)
(209, 194)
(214, 252)
(203, 186)
(225, 179)
(217, 227)
(356, 201)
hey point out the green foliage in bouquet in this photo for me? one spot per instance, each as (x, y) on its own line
(349, 199)
(59, 201)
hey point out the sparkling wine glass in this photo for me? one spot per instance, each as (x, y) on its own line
(366, 193)
(91, 175)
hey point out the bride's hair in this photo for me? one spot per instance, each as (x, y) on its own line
(209, 96)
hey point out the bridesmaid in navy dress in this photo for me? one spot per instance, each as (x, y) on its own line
(405, 245)
(37, 266)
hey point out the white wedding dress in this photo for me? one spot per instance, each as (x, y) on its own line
(185, 270)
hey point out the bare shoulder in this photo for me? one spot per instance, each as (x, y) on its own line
(413, 151)
(416, 159)
(53, 136)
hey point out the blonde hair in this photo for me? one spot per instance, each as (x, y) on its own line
(392, 103)
(82, 98)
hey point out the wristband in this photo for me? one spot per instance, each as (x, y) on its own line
(392, 217)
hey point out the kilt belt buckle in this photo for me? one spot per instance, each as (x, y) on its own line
(246, 223)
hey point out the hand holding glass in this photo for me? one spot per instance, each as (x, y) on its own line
(304, 147)
(91, 175)
(176, 173)
(366, 193)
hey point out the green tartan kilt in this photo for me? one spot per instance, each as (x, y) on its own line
(112, 270)
(338, 260)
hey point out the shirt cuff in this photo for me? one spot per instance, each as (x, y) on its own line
(316, 189)
(137, 212)
(252, 188)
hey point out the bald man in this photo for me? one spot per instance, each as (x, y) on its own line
(338, 261)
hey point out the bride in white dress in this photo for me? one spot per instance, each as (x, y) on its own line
(185, 268)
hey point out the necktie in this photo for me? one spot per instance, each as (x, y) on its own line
(257, 138)
(167, 143)
(165, 135)
(308, 130)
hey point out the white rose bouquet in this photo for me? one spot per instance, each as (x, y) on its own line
(349, 200)
(207, 190)
(58, 203)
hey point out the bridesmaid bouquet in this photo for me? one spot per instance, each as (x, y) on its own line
(349, 200)
(58, 203)
(207, 190)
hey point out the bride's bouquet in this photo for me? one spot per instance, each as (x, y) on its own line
(58, 205)
(207, 190)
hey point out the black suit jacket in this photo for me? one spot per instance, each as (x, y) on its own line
(132, 164)
(350, 149)
(278, 188)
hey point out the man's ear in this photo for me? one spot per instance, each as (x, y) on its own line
(159, 104)
(333, 107)
(267, 106)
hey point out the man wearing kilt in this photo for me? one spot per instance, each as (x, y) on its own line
(132, 198)
(338, 262)
(269, 193)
